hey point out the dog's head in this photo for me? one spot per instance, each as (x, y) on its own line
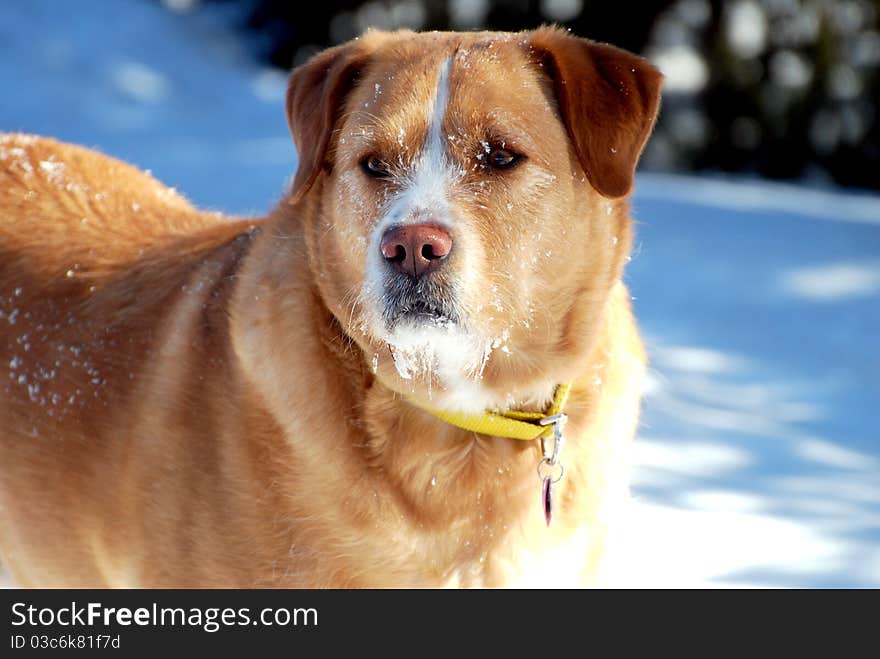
(465, 200)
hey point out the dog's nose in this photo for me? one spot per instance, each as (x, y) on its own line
(415, 249)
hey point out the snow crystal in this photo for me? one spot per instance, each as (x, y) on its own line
(25, 166)
(18, 138)
(54, 170)
(405, 362)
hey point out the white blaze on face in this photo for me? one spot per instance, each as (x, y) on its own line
(435, 348)
(423, 195)
(425, 192)
(433, 173)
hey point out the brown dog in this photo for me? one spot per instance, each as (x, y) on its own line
(188, 400)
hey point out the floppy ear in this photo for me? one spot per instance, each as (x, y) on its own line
(608, 99)
(316, 94)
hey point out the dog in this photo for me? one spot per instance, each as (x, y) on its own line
(331, 395)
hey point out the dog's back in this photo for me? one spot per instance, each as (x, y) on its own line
(96, 258)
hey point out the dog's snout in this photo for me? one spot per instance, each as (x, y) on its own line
(416, 249)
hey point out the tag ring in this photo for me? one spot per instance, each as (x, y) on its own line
(546, 471)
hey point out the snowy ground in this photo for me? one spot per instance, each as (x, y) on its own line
(758, 459)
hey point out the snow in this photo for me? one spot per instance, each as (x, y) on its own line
(758, 457)
(758, 460)
(175, 93)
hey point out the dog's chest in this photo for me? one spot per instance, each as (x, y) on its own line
(553, 561)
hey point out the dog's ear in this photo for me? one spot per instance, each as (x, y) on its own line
(316, 94)
(608, 99)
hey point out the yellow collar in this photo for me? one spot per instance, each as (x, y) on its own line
(512, 424)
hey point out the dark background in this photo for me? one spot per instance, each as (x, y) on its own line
(776, 88)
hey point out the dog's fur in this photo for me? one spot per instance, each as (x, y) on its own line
(193, 400)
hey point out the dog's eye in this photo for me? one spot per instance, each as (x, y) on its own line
(502, 158)
(375, 167)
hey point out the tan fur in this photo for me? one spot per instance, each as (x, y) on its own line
(188, 400)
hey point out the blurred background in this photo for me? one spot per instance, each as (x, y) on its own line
(779, 88)
(756, 271)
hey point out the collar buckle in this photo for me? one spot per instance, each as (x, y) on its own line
(558, 421)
